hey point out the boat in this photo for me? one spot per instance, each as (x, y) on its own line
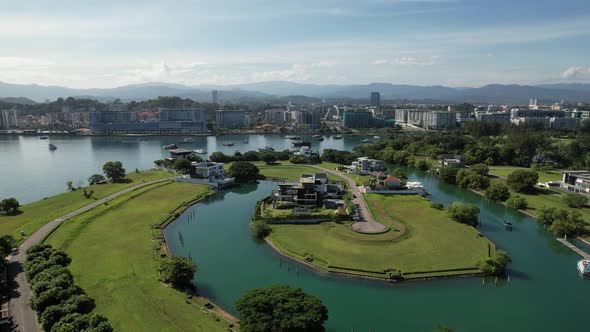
(507, 225)
(201, 151)
(52, 147)
(584, 267)
(295, 138)
(377, 137)
(44, 137)
(338, 137)
(170, 146)
(318, 137)
(367, 141)
(187, 140)
(301, 143)
(228, 144)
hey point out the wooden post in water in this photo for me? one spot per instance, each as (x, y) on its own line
(508, 279)
(483, 280)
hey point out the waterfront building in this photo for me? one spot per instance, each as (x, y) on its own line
(181, 153)
(8, 119)
(576, 181)
(230, 118)
(500, 117)
(312, 189)
(310, 119)
(536, 113)
(206, 170)
(375, 99)
(276, 116)
(565, 123)
(170, 121)
(359, 119)
(455, 160)
(440, 119)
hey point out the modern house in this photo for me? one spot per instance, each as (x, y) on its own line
(455, 160)
(312, 189)
(576, 181)
(206, 170)
(364, 165)
(181, 153)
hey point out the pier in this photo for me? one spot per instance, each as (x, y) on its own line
(574, 248)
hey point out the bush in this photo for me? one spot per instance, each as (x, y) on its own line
(260, 229)
(96, 179)
(574, 200)
(244, 171)
(177, 270)
(464, 213)
(83, 322)
(10, 205)
(268, 157)
(114, 171)
(182, 165)
(495, 265)
(522, 181)
(421, 164)
(438, 206)
(297, 160)
(448, 174)
(497, 192)
(472, 180)
(517, 203)
(481, 169)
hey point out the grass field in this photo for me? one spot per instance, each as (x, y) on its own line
(423, 241)
(38, 213)
(113, 261)
(544, 176)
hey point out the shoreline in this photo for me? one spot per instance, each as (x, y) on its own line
(365, 277)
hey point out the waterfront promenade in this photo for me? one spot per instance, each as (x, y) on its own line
(23, 317)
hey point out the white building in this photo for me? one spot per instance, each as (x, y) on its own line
(207, 170)
(440, 119)
(364, 165)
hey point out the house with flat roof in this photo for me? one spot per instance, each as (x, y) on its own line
(181, 153)
(455, 160)
(312, 189)
(364, 165)
(576, 181)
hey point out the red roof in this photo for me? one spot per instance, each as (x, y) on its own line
(391, 178)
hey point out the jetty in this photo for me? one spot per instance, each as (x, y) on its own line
(574, 248)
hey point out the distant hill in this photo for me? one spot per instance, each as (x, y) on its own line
(274, 91)
(18, 100)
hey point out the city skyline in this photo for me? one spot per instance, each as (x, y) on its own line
(420, 42)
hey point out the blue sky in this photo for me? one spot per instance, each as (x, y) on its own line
(425, 42)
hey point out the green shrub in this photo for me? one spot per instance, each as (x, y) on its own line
(517, 203)
(574, 200)
(260, 229)
(438, 206)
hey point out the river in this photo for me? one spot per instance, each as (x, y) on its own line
(545, 292)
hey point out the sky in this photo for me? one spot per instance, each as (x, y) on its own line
(109, 43)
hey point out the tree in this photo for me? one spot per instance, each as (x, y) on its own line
(297, 160)
(567, 223)
(114, 171)
(448, 174)
(495, 265)
(574, 200)
(83, 322)
(481, 169)
(517, 203)
(472, 180)
(177, 270)
(7, 242)
(522, 181)
(281, 309)
(497, 192)
(268, 157)
(71, 186)
(97, 179)
(260, 229)
(182, 165)
(244, 171)
(421, 164)
(463, 213)
(10, 205)
(220, 157)
(251, 156)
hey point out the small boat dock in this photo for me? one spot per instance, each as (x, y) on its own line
(574, 248)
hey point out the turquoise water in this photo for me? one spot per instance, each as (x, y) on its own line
(545, 292)
(30, 172)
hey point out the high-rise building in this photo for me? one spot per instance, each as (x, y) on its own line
(309, 118)
(275, 116)
(214, 97)
(440, 119)
(8, 119)
(361, 119)
(375, 99)
(230, 118)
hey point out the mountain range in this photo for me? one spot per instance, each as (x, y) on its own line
(280, 91)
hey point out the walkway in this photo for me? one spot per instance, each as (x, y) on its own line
(23, 316)
(574, 248)
(369, 225)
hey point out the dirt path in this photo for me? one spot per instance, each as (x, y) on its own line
(369, 224)
(23, 317)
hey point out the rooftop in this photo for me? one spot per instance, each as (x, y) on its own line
(180, 151)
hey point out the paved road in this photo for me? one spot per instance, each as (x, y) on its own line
(369, 225)
(23, 316)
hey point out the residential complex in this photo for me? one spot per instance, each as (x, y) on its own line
(170, 121)
(230, 118)
(8, 119)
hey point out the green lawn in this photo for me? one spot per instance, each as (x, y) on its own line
(544, 176)
(113, 261)
(422, 240)
(38, 213)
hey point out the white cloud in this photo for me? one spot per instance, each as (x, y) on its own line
(380, 62)
(576, 73)
(414, 61)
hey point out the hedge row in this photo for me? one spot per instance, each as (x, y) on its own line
(61, 305)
